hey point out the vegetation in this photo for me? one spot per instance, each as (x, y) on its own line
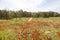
(36, 29)
(43, 26)
(4, 14)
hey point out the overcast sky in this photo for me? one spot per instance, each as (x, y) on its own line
(31, 5)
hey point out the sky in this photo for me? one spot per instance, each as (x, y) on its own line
(31, 5)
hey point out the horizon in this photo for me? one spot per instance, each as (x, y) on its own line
(30, 5)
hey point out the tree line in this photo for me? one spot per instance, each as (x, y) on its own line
(4, 14)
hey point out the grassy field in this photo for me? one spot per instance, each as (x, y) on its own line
(36, 29)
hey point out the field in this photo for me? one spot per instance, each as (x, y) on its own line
(36, 29)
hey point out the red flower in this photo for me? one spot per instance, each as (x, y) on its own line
(58, 33)
(33, 36)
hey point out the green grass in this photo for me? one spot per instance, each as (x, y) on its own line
(10, 33)
(51, 19)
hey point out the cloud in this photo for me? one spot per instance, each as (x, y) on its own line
(49, 5)
(54, 5)
(31, 5)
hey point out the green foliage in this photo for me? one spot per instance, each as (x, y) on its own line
(7, 34)
(4, 14)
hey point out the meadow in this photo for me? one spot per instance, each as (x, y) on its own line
(36, 29)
